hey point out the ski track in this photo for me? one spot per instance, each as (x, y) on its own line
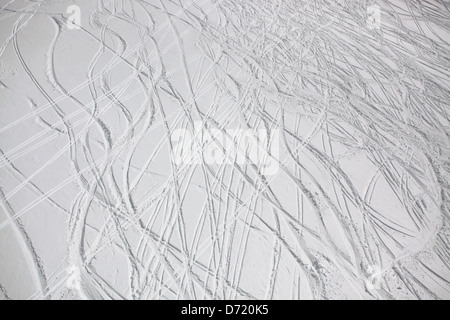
(364, 165)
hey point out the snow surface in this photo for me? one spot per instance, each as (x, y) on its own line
(93, 204)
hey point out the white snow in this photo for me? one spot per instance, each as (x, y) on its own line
(95, 203)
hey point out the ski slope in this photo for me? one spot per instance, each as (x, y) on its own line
(120, 177)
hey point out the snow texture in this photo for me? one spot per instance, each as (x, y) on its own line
(94, 205)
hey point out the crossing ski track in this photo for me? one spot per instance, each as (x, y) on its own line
(93, 204)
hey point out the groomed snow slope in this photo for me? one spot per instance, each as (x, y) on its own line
(94, 203)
